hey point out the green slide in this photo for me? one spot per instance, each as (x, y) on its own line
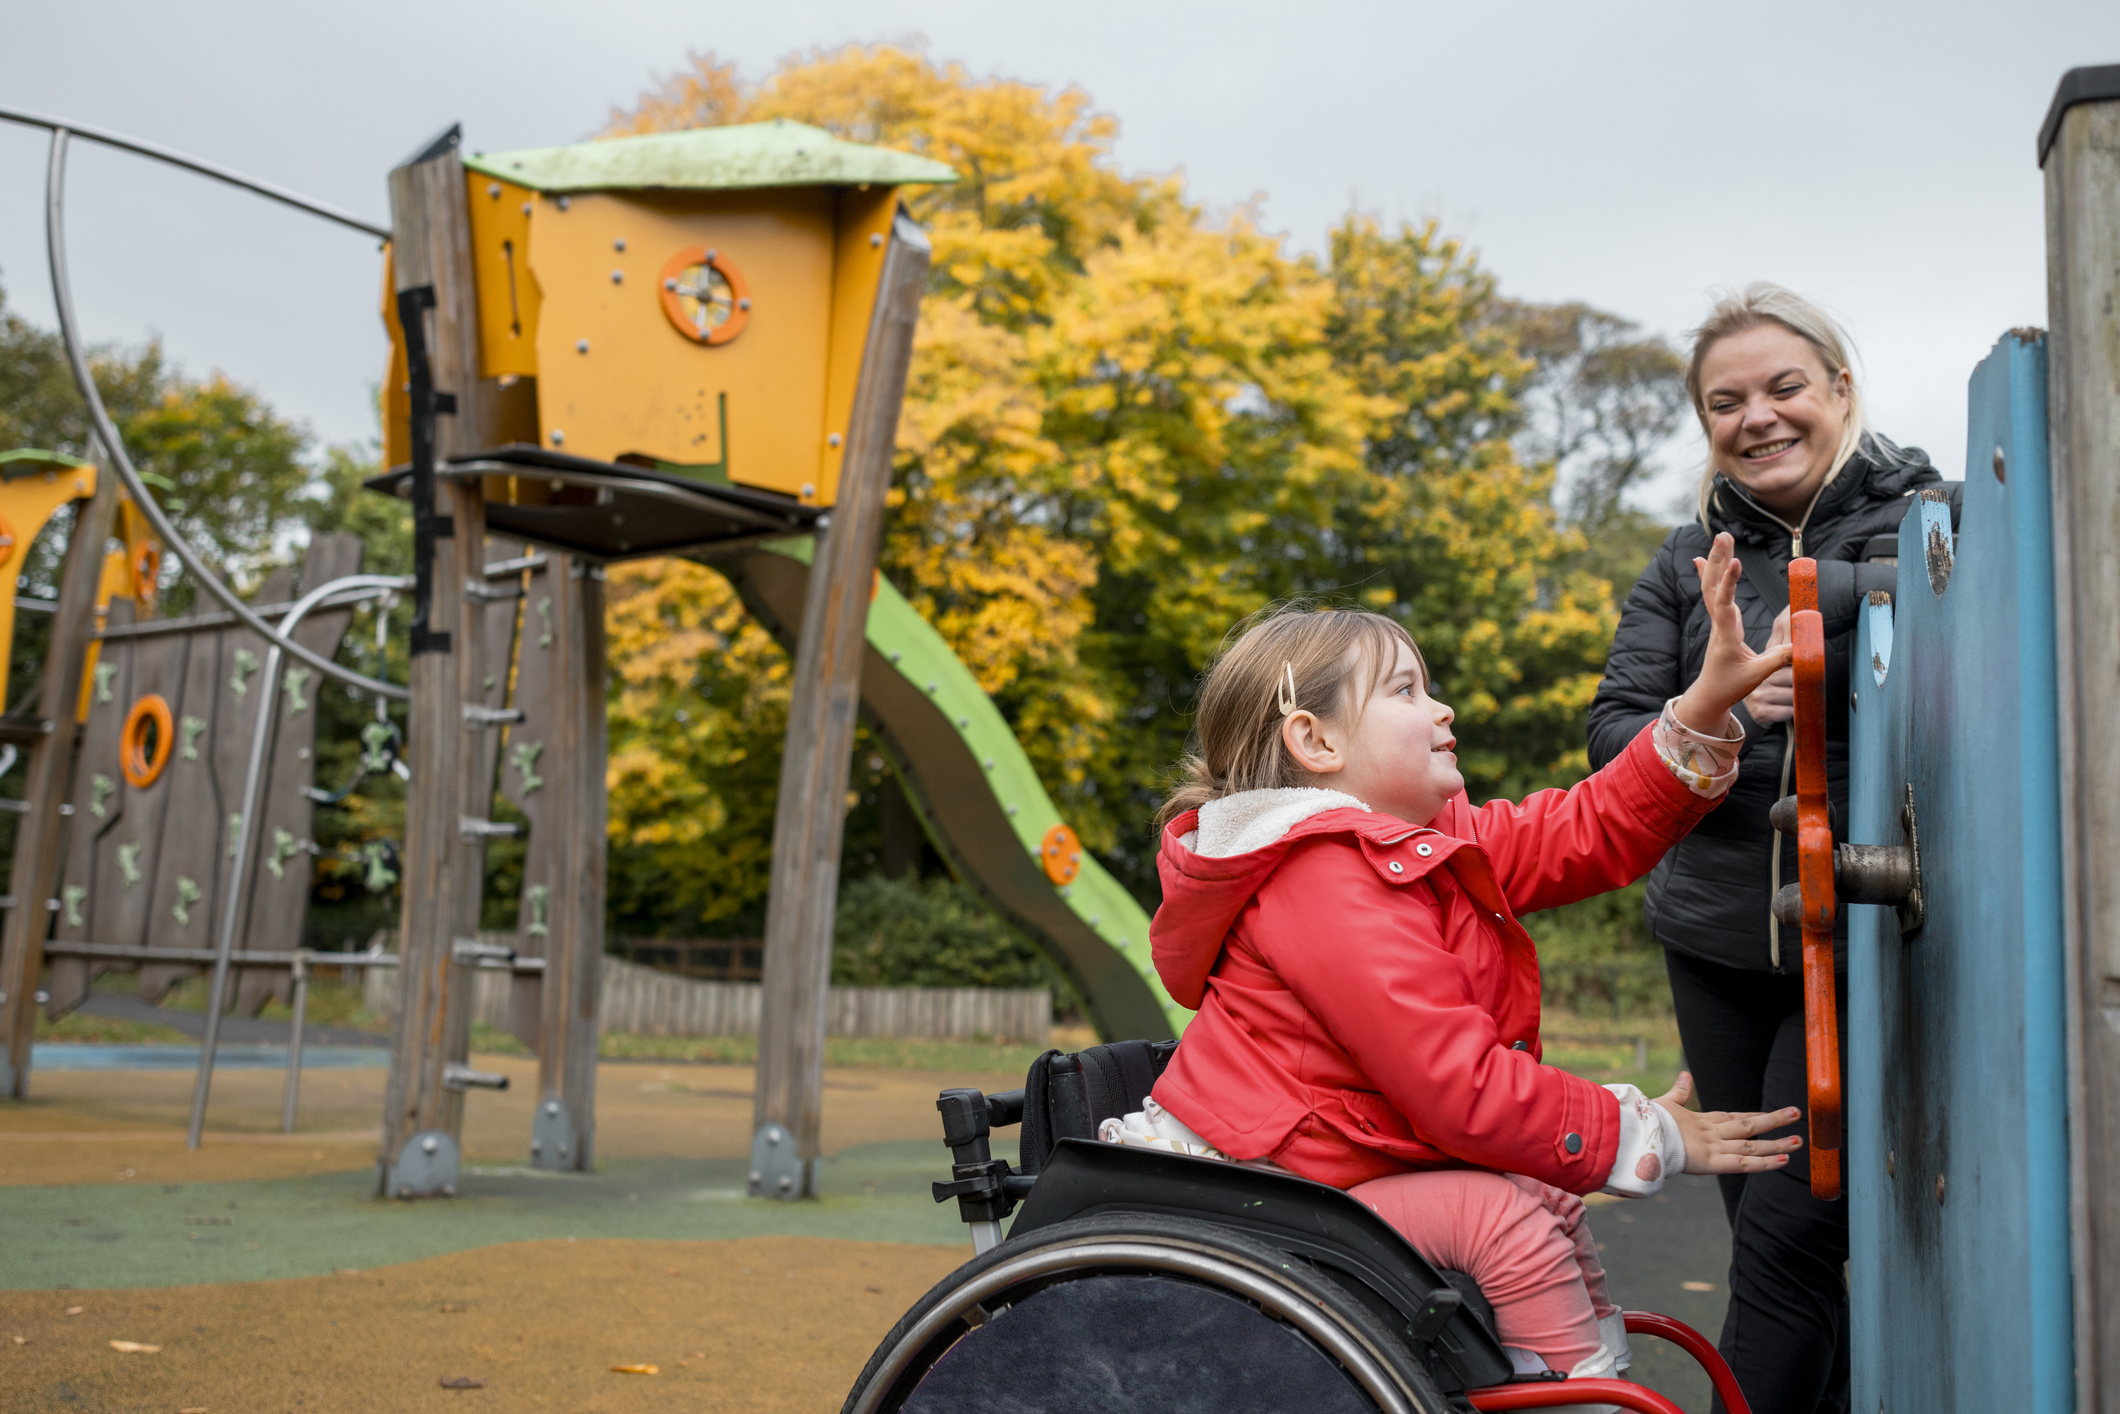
(977, 796)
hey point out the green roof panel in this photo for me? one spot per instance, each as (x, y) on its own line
(775, 154)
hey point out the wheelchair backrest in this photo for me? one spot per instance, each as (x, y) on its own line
(1068, 1096)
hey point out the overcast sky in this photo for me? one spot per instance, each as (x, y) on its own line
(1878, 157)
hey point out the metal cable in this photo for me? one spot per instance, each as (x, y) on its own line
(107, 432)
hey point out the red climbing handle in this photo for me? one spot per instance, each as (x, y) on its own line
(1814, 858)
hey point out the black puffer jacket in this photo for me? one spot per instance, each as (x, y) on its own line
(1708, 898)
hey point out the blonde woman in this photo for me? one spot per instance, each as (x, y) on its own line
(1792, 469)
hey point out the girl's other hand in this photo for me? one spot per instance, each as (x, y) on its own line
(1722, 1142)
(1775, 699)
(1731, 672)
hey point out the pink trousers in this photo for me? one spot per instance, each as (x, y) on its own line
(1526, 1243)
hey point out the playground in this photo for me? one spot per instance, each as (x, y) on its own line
(695, 348)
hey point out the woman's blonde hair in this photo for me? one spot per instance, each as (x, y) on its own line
(1327, 652)
(1763, 302)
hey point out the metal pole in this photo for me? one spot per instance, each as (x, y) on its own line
(107, 433)
(294, 1043)
(253, 786)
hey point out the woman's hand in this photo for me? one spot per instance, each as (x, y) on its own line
(1731, 672)
(1722, 1142)
(1775, 699)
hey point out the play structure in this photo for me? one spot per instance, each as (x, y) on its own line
(688, 344)
(696, 344)
(1976, 1128)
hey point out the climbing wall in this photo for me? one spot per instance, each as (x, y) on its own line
(1956, 1153)
(149, 851)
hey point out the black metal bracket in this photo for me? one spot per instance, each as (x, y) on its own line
(979, 1181)
(426, 405)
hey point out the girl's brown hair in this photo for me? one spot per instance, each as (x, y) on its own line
(1337, 656)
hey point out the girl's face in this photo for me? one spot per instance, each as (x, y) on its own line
(1397, 755)
(1774, 415)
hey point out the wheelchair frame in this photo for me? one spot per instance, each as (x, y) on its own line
(1411, 1337)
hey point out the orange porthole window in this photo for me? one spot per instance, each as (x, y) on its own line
(705, 296)
(147, 572)
(143, 762)
(1061, 854)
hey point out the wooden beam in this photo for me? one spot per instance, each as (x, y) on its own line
(50, 766)
(444, 866)
(810, 817)
(2082, 166)
(563, 1132)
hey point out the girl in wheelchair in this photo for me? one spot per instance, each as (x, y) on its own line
(1344, 922)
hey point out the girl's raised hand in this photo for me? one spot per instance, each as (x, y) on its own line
(1731, 671)
(1720, 1141)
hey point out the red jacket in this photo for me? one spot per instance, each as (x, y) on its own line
(1368, 1003)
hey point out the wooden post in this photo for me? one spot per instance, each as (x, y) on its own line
(51, 759)
(563, 1133)
(2079, 148)
(446, 803)
(810, 818)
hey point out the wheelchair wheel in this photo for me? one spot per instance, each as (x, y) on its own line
(1126, 1312)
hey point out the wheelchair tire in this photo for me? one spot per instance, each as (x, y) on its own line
(1130, 1311)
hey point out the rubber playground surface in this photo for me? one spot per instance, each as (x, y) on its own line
(270, 1277)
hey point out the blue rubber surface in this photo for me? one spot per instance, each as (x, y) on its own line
(55, 1055)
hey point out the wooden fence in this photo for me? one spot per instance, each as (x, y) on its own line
(643, 1001)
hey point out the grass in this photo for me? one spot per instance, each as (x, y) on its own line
(108, 1031)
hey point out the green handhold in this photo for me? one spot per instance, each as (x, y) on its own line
(129, 862)
(536, 896)
(104, 673)
(380, 875)
(100, 788)
(187, 895)
(294, 681)
(375, 736)
(71, 896)
(523, 758)
(246, 664)
(283, 847)
(544, 611)
(190, 728)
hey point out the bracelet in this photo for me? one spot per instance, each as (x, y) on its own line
(1706, 764)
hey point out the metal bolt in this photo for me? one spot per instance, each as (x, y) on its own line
(526, 208)
(832, 441)
(964, 721)
(552, 1107)
(448, 1190)
(493, 189)
(989, 763)
(808, 489)
(581, 346)
(2001, 465)
(875, 239)
(537, 1146)
(563, 1151)
(757, 1177)
(559, 438)
(787, 1183)
(670, 284)
(1854, 699)
(404, 1190)
(563, 203)
(619, 244)
(934, 687)
(429, 1144)
(710, 257)
(773, 1135)
(618, 277)
(744, 303)
(1939, 1188)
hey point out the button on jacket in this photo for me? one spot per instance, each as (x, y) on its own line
(1369, 1004)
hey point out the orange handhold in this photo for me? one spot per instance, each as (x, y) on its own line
(690, 297)
(1814, 854)
(1060, 855)
(143, 768)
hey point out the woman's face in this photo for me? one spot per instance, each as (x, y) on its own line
(1774, 415)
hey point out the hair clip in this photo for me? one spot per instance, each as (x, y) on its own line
(1285, 691)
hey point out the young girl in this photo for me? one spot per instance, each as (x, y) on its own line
(1345, 924)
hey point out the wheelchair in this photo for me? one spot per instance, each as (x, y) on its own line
(1133, 1279)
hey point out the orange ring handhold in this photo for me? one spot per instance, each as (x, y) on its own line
(1814, 856)
(147, 572)
(675, 294)
(141, 771)
(1060, 855)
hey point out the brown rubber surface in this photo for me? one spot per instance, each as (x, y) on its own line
(764, 1324)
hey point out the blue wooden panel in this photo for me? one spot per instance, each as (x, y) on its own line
(1956, 1066)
